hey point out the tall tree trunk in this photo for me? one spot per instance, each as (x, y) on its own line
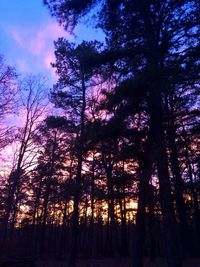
(43, 226)
(145, 176)
(124, 240)
(75, 216)
(62, 244)
(195, 204)
(172, 243)
(192, 187)
(179, 189)
(111, 214)
(152, 222)
(91, 224)
(47, 195)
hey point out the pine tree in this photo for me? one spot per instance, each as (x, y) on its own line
(70, 93)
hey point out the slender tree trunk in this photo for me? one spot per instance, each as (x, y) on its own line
(179, 190)
(75, 226)
(122, 205)
(111, 214)
(193, 190)
(47, 195)
(146, 168)
(152, 223)
(75, 216)
(124, 241)
(91, 225)
(195, 204)
(43, 228)
(62, 244)
(172, 243)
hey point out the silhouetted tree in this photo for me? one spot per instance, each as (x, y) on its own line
(70, 93)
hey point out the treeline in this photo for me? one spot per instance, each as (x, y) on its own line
(116, 172)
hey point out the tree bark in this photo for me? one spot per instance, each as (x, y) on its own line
(160, 155)
(75, 216)
(179, 189)
(145, 176)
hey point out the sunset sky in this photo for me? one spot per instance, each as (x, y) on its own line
(26, 41)
(27, 35)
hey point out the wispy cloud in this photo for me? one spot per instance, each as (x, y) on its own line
(37, 44)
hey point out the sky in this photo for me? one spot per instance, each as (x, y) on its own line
(27, 33)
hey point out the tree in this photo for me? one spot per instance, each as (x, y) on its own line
(158, 42)
(8, 91)
(33, 108)
(70, 93)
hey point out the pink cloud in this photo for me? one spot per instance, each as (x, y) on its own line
(49, 58)
(38, 43)
(45, 37)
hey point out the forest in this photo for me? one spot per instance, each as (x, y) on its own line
(106, 165)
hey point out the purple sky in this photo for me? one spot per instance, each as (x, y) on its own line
(27, 32)
(27, 35)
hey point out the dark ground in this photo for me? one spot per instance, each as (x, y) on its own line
(92, 263)
(115, 263)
